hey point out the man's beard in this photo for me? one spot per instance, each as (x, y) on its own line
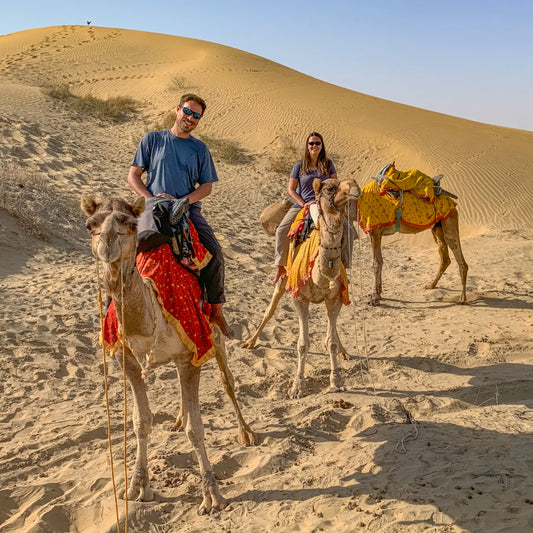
(186, 127)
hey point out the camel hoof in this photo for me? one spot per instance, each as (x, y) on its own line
(374, 300)
(247, 437)
(146, 495)
(343, 356)
(249, 344)
(178, 425)
(212, 509)
(297, 389)
(336, 388)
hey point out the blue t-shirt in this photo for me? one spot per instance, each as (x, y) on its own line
(305, 188)
(174, 165)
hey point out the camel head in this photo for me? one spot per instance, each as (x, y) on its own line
(333, 195)
(112, 224)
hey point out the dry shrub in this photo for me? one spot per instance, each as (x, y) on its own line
(28, 197)
(179, 84)
(165, 122)
(285, 157)
(227, 150)
(117, 108)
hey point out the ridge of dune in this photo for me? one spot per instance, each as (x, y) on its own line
(433, 431)
(265, 105)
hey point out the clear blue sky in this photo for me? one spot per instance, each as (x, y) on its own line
(467, 58)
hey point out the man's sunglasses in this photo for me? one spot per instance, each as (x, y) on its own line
(314, 143)
(190, 112)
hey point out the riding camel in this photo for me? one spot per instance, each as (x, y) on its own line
(412, 207)
(112, 224)
(324, 284)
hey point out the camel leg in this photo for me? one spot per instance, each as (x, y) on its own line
(179, 419)
(142, 425)
(450, 228)
(298, 386)
(269, 313)
(445, 261)
(246, 436)
(377, 266)
(189, 376)
(333, 307)
(342, 352)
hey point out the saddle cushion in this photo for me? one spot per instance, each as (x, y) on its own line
(178, 293)
(418, 183)
(377, 210)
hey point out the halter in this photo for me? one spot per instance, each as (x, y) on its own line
(331, 199)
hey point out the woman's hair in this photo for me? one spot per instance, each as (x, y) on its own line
(323, 162)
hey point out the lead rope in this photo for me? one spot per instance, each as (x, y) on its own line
(101, 309)
(124, 386)
(365, 340)
(413, 434)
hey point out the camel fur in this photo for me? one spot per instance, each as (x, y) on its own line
(112, 224)
(324, 285)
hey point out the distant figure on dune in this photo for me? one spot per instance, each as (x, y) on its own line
(88, 22)
(179, 166)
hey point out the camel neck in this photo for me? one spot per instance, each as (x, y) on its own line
(120, 276)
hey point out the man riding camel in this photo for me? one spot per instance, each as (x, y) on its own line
(180, 166)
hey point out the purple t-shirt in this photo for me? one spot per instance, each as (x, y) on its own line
(305, 188)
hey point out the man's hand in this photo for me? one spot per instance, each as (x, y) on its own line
(165, 195)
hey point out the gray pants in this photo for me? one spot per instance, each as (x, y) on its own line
(282, 240)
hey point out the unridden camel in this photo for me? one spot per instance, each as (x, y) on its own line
(445, 233)
(112, 224)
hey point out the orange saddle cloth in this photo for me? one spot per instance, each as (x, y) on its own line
(179, 295)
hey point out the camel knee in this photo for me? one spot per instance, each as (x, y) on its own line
(142, 428)
(303, 348)
(194, 435)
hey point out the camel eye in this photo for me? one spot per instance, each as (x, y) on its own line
(90, 224)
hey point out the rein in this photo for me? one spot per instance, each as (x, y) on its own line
(106, 391)
(124, 380)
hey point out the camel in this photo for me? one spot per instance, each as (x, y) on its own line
(112, 224)
(445, 234)
(324, 284)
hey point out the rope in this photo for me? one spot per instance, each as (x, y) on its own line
(413, 434)
(100, 306)
(124, 386)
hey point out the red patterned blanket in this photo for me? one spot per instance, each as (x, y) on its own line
(178, 293)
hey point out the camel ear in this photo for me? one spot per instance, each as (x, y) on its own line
(317, 185)
(88, 204)
(137, 206)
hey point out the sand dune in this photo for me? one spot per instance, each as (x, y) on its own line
(461, 462)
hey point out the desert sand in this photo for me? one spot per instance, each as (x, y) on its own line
(435, 430)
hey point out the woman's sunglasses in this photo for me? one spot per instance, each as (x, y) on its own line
(314, 143)
(190, 112)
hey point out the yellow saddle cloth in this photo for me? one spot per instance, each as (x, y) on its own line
(417, 205)
(300, 264)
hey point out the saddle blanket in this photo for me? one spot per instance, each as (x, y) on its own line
(300, 264)
(417, 206)
(179, 295)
